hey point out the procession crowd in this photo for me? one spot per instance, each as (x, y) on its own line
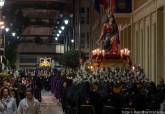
(108, 91)
(105, 91)
(20, 93)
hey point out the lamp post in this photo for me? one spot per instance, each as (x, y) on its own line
(72, 44)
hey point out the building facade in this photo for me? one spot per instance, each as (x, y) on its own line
(144, 36)
(82, 25)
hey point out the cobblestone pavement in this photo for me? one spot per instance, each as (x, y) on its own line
(49, 104)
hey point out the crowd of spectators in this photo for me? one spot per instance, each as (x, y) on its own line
(20, 92)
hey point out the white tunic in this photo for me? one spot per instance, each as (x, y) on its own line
(2, 108)
(27, 107)
(9, 105)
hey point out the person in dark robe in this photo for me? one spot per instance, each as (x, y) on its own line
(96, 99)
(21, 90)
(115, 100)
(47, 83)
(37, 88)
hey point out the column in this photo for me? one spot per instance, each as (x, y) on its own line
(160, 46)
(153, 52)
(141, 43)
(129, 37)
(149, 46)
(123, 40)
(146, 46)
(132, 43)
(135, 43)
(127, 31)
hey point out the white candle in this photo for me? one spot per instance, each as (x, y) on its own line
(121, 52)
(133, 68)
(103, 52)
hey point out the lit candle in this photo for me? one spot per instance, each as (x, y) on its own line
(103, 52)
(128, 52)
(133, 68)
(125, 50)
(97, 51)
(121, 52)
(94, 52)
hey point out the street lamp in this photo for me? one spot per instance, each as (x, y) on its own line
(71, 15)
(2, 3)
(56, 38)
(62, 27)
(58, 35)
(72, 41)
(61, 15)
(13, 34)
(60, 31)
(66, 21)
(17, 37)
(7, 29)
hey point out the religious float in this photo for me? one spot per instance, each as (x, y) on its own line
(110, 55)
(45, 62)
(45, 65)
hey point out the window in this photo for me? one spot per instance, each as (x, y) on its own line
(87, 40)
(28, 60)
(84, 15)
(82, 20)
(83, 35)
(87, 16)
(82, 40)
(82, 10)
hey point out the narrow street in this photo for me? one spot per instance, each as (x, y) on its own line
(50, 104)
